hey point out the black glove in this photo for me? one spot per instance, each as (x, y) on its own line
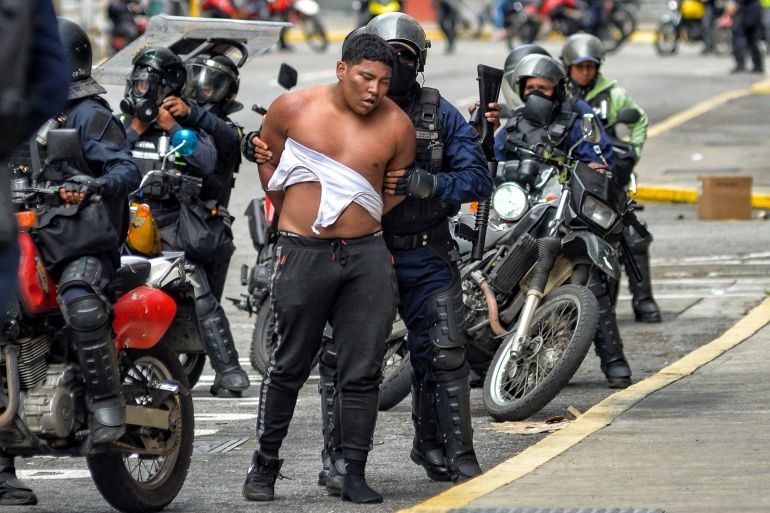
(89, 186)
(416, 183)
(247, 147)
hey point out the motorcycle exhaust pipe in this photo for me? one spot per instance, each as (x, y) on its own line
(11, 353)
(494, 317)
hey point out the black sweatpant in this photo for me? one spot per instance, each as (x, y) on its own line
(352, 284)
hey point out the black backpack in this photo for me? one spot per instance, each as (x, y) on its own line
(16, 27)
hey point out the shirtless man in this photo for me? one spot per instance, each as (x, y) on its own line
(332, 145)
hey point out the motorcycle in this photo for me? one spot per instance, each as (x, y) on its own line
(525, 19)
(43, 394)
(684, 22)
(129, 21)
(369, 9)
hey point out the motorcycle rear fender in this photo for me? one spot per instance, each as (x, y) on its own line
(142, 317)
(585, 247)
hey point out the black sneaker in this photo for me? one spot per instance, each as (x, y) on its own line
(260, 480)
(13, 492)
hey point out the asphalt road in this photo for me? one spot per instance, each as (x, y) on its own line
(707, 275)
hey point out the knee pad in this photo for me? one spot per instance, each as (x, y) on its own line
(205, 301)
(446, 315)
(86, 272)
(636, 243)
(86, 313)
(448, 359)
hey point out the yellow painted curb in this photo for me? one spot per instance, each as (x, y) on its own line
(685, 195)
(598, 417)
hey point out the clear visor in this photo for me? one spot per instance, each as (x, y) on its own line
(141, 82)
(206, 84)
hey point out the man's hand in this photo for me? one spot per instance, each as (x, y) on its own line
(412, 182)
(177, 107)
(79, 188)
(165, 120)
(492, 115)
(254, 149)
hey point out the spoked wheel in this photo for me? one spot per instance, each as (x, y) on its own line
(193, 364)
(145, 469)
(397, 374)
(560, 335)
(666, 39)
(315, 35)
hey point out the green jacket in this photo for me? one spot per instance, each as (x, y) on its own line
(617, 98)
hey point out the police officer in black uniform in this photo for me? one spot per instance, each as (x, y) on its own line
(157, 75)
(450, 170)
(550, 117)
(105, 169)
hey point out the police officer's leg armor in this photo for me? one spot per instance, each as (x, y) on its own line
(327, 369)
(427, 449)
(607, 341)
(87, 314)
(217, 338)
(645, 307)
(451, 373)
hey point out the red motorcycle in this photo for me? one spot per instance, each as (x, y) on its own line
(128, 21)
(42, 388)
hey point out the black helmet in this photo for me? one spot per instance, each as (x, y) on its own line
(211, 79)
(520, 52)
(583, 48)
(77, 47)
(166, 64)
(541, 66)
(397, 27)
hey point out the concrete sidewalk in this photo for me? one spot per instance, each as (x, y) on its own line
(691, 439)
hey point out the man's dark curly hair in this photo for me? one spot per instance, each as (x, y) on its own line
(368, 47)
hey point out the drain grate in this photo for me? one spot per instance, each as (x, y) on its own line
(556, 510)
(217, 446)
(703, 171)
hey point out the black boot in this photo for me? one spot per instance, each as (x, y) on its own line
(645, 307)
(336, 477)
(609, 346)
(12, 491)
(453, 412)
(426, 448)
(261, 477)
(98, 363)
(217, 339)
(354, 486)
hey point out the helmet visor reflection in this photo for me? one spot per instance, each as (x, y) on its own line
(206, 84)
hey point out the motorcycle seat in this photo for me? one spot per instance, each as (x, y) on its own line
(133, 272)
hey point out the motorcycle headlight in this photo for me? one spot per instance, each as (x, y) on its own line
(598, 213)
(510, 201)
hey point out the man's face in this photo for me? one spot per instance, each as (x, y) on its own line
(584, 73)
(543, 85)
(364, 85)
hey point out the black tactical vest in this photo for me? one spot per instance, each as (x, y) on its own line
(417, 215)
(522, 132)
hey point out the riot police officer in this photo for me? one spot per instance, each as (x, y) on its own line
(550, 117)
(451, 170)
(105, 169)
(583, 55)
(207, 101)
(157, 75)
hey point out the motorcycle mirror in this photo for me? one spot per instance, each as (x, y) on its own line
(63, 144)
(185, 141)
(287, 76)
(590, 129)
(628, 116)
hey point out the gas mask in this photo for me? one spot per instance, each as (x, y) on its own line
(144, 94)
(538, 108)
(404, 73)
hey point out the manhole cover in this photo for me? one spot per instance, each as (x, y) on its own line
(556, 510)
(217, 446)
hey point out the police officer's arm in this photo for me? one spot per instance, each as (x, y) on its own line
(500, 153)
(620, 99)
(204, 159)
(104, 145)
(225, 136)
(468, 178)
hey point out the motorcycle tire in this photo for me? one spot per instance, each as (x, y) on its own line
(315, 34)
(667, 39)
(616, 32)
(516, 390)
(134, 483)
(397, 375)
(192, 364)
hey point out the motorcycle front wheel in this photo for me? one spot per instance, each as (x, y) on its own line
(133, 481)
(193, 364)
(315, 34)
(560, 335)
(666, 39)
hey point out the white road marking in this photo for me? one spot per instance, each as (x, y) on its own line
(205, 432)
(42, 473)
(224, 417)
